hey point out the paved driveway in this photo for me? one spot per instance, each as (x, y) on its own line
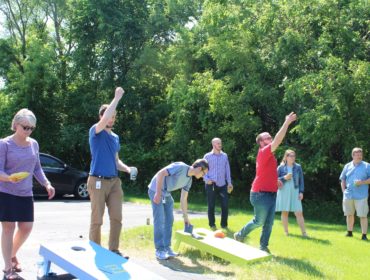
(59, 220)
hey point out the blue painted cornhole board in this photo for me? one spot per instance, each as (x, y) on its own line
(88, 261)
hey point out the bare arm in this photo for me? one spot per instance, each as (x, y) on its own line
(184, 206)
(121, 166)
(343, 185)
(281, 133)
(362, 182)
(159, 184)
(109, 111)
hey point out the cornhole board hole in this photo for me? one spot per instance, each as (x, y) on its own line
(225, 248)
(88, 261)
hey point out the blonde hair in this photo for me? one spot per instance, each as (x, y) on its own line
(286, 154)
(23, 114)
(356, 150)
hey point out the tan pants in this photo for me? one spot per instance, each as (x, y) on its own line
(110, 193)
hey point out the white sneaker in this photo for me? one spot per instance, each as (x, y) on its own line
(161, 255)
(171, 253)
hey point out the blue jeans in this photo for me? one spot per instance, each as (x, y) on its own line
(212, 191)
(162, 221)
(264, 212)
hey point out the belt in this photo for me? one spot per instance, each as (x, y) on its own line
(103, 177)
(266, 192)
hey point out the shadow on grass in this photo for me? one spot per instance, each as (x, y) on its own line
(196, 267)
(301, 266)
(327, 227)
(310, 238)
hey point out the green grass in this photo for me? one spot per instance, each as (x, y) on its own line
(327, 254)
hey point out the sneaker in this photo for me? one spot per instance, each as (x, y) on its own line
(237, 237)
(265, 249)
(364, 238)
(213, 228)
(161, 255)
(120, 254)
(171, 253)
(349, 234)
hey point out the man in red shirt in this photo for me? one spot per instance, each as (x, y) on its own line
(265, 185)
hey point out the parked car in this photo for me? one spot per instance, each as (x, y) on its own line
(64, 178)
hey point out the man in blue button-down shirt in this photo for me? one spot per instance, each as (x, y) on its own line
(355, 180)
(218, 182)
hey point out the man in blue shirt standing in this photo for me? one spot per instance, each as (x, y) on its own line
(177, 175)
(103, 184)
(217, 183)
(355, 180)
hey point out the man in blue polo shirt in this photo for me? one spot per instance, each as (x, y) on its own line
(103, 184)
(177, 175)
(355, 180)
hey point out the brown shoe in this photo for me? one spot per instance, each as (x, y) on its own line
(16, 265)
(120, 254)
(10, 274)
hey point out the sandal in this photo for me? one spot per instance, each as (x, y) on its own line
(16, 265)
(10, 274)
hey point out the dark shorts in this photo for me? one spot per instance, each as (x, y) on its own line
(16, 208)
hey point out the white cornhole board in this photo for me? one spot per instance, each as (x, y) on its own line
(88, 261)
(225, 248)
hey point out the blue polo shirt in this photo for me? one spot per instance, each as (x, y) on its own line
(103, 147)
(350, 174)
(177, 178)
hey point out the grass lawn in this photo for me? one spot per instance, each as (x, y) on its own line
(327, 254)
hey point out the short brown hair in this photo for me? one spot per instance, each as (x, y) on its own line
(201, 163)
(259, 137)
(102, 109)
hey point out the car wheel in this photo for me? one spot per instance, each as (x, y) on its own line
(81, 190)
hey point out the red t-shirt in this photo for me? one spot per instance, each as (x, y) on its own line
(266, 173)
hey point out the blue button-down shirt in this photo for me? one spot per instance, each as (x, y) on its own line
(219, 169)
(352, 173)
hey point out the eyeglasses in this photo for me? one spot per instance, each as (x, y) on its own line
(26, 128)
(291, 156)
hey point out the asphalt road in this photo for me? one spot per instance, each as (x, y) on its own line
(59, 220)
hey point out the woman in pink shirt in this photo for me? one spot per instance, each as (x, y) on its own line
(18, 153)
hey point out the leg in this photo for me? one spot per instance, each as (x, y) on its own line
(284, 221)
(158, 222)
(224, 201)
(362, 210)
(300, 221)
(211, 199)
(350, 222)
(168, 222)
(270, 203)
(114, 204)
(21, 235)
(260, 214)
(364, 224)
(97, 201)
(7, 243)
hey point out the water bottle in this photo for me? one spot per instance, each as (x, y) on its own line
(40, 269)
(133, 173)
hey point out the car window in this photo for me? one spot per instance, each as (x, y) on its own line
(50, 162)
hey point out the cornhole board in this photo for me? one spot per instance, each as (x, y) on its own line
(88, 261)
(225, 248)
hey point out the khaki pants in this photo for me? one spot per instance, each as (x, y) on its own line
(110, 193)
